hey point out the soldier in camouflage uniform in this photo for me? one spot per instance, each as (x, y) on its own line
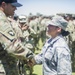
(25, 40)
(34, 24)
(10, 45)
(25, 32)
(43, 28)
(71, 38)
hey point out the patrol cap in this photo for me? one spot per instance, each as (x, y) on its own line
(58, 21)
(13, 2)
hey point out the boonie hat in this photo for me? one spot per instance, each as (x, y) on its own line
(13, 2)
(58, 21)
(22, 19)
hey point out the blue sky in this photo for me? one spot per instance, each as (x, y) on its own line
(46, 7)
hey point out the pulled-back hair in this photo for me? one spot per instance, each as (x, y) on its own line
(64, 33)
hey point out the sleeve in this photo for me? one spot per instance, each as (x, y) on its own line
(49, 53)
(39, 58)
(13, 45)
(64, 61)
(46, 54)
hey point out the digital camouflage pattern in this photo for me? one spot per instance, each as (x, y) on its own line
(55, 57)
(71, 40)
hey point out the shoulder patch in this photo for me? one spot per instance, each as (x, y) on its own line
(11, 33)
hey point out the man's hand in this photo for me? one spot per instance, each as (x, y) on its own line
(31, 62)
(24, 27)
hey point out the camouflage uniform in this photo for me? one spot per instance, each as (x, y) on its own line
(52, 55)
(71, 41)
(10, 46)
(27, 44)
(25, 35)
(34, 24)
(43, 29)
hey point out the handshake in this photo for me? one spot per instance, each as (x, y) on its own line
(24, 53)
(30, 59)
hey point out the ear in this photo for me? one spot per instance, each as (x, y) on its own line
(59, 29)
